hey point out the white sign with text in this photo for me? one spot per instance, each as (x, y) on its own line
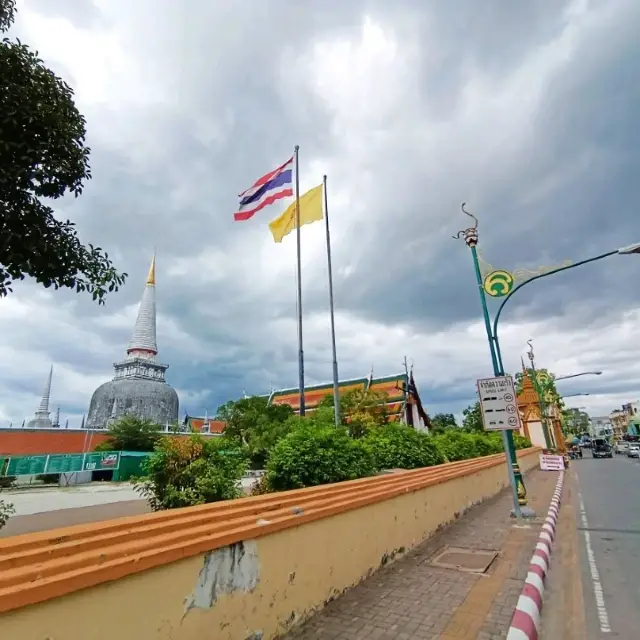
(550, 462)
(498, 403)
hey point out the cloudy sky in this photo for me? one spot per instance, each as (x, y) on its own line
(527, 111)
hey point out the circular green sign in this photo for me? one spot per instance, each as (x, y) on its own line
(498, 283)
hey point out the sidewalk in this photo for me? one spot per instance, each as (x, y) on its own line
(415, 600)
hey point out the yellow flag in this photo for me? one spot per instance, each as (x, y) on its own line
(310, 211)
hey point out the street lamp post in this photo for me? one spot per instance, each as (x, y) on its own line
(518, 488)
(631, 249)
(541, 399)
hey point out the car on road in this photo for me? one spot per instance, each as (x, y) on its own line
(634, 450)
(600, 448)
(621, 446)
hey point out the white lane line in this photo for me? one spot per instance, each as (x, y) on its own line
(603, 616)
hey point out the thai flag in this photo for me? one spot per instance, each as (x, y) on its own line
(265, 191)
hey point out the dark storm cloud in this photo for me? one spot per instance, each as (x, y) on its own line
(237, 100)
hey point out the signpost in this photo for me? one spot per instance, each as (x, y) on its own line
(498, 404)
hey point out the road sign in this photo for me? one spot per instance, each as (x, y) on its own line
(551, 462)
(498, 403)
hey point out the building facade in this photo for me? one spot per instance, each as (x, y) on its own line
(403, 403)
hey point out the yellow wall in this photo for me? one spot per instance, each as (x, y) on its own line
(279, 578)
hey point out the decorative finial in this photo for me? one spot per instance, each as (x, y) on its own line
(530, 352)
(151, 278)
(471, 233)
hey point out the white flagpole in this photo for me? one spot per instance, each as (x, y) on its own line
(300, 350)
(336, 390)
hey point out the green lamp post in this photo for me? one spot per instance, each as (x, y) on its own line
(504, 281)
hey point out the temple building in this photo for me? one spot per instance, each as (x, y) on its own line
(138, 387)
(529, 407)
(41, 420)
(403, 401)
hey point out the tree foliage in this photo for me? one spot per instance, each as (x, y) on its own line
(442, 421)
(575, 422)
(245, 416)
(544, 382)
(183, 472)
(361, 410)
(130, 433)
(6, 508)
(43, 156)
(472, 418)
(396, 446)
(257, 425)
(6, 511)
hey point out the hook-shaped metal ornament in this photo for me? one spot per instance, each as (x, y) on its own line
(530, 353)
(469, 234)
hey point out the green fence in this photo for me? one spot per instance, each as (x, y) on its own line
(60, 463)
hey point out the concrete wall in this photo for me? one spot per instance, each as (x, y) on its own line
(244, 569)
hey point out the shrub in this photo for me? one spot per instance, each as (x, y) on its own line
(487, 444)
(457, 445)
(261, 487)
(313, 454)
(397, 446)
(49, 478)
(182, 472)
(6, 510)
(6, 482)
(521, 442)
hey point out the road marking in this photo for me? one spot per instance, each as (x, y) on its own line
(603, 616)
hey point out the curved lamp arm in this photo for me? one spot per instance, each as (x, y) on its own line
(542, 275)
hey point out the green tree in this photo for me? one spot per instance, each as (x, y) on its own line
(442, 421)
(183, 472)
(42, 156)
(575, 422)
(472, 418)
(130, 433)
(360, 410)
(313, 454)
(247, 416)
(397, 446)
(545, 384)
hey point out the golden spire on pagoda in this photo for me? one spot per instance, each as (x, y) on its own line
(151, 278)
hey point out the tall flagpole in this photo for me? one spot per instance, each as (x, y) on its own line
(336, 392)
(300, 350)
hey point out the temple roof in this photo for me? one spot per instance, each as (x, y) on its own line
(394, 386)
(196, 424)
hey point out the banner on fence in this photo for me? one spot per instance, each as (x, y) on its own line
(60, 463)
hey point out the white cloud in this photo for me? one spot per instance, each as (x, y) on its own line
(363, 95)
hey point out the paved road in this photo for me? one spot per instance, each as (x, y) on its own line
(46, 520)
(609, 534)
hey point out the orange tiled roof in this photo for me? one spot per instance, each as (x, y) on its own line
(394, 386)
(215, 426)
